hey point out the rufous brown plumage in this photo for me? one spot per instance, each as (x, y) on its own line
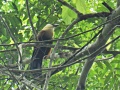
(39, 53)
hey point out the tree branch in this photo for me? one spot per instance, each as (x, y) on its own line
(102, 39)
(70, 7)
(107, 6)
(13, 38)
(28, 11)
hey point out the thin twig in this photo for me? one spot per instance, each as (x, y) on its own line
(13, 38)
(28, 11)
(70, 7)
(63, 66)
(107, 6)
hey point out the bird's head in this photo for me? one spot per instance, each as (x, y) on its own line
(50, 26)
(55, 25)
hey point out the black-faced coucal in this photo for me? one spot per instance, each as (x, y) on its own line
(39, 53)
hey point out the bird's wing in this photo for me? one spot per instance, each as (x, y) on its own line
(41, 52)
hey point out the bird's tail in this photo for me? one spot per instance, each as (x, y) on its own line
(36, 63)
(37, 58)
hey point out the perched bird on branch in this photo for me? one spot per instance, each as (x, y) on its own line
(39, 53)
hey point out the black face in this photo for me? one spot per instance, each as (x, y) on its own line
(55, 25)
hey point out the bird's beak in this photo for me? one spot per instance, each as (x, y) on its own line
(55, 25)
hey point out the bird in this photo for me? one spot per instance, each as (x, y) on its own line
(39, 53)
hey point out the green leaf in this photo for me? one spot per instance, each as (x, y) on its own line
(109, 46)
(107, 78)
(81, 6)
(108, 65)
(15, 7)
(115, 61)
(67, 15)
(100, 64)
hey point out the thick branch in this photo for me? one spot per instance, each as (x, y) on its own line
(101, 41)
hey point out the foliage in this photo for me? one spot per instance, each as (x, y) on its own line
(104, 74)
